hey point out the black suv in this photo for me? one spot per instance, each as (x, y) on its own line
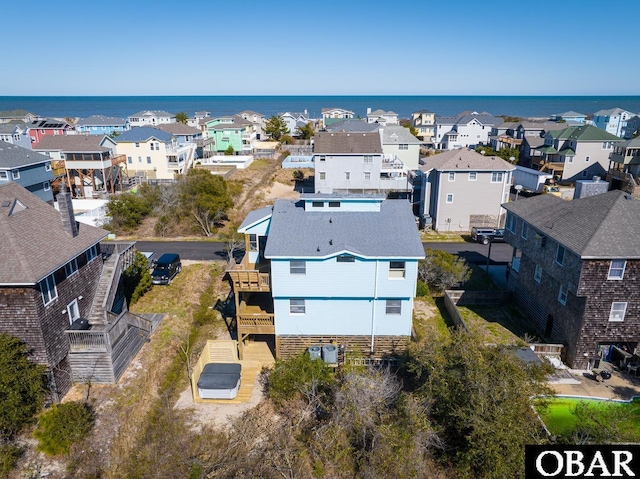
(166, 268)
(484, 235)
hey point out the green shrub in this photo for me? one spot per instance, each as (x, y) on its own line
(229, 151)
(62, 425)
(298, 175)
(9, 455)
(286, 140)
(299, 375)
(422, 289)
(137, 279)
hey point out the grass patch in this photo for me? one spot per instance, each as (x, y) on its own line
(479, 280)
(439, 237)
(492, 324)
(428, 320)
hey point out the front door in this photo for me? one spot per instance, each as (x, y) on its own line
(73, 311)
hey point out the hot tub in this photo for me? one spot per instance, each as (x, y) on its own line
(219, 381)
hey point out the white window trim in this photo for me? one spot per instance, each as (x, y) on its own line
(497, 173)
(3, 175)
(475, 176)
(447, 198)
(54, 290)
(537, 274)
(397, 272)
(302, 306)
(612, 318)
(253, 243)
(393, 307)
(92, 253)
(564, 252)
(46, 186)
(300, 267)
(617, 278)
(15, 174)
(452, 176)
(71, 267)
(560, 295)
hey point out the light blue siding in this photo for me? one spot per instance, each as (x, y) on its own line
(34, 178)
(342, 317)
(361, 204)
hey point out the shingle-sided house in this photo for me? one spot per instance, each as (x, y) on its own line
(576, 270)
(349, 277)
(459, 189)
(52, 274)
(28, 168)
(356, 163)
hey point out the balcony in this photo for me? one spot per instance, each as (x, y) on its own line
(249, 277)
(256, 317)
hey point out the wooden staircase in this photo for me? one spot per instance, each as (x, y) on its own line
(97, 314)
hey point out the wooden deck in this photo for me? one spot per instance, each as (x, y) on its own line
(256, 356)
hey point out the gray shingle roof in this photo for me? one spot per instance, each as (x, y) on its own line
(465, 159)
(351, 125)
(14, 156)
(367, 143)
(72, 143)
(389, 233)
(9, 128)
(101, 120)
(394, 134)
(156, 113)
(603, 226)
(255, 216)
(178, 129)
(141, 134)
(32, 241)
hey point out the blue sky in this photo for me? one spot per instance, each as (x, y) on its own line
(251, 47)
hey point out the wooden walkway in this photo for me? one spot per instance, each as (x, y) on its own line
(256, 356)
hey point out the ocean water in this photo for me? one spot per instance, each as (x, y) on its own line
(124, 106)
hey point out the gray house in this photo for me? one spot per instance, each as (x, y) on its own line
(356, 163)
(459, 189)
(575, 272)
(16, 133)
(27, 168)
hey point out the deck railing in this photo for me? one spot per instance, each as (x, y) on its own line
(126, 253)
(245, 279)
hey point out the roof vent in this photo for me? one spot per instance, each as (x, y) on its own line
(318, 249)
(330, 220)
(331, 242)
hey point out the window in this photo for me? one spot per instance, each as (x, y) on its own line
(46, 186)
(562, 295)
(449, 197)
(537, 275)
(15, 174)
(323, 175)
(511, 222)
(618, 310)
(334, 204)
(92, 253)
(137, 145)
(346, 258)
(396, 269)
(473, 176)
(152, 146)
(525, 230)
(586, 159)
(139, 159)
(452, 176)
(403, 146)
(569, 159)
(394, 306)
(317, 204)
(47, 167)
(298, 267)
(129, 160)
(297, 306)
(323, 158)
(616, 269)
(367, 175)
(560, 255)
(71, 267)
(496, 177)
(253, 242)
(3, 175)
(347, 175)
(368, 159)
(48, 289)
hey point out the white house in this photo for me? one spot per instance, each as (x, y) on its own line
(334, 115)
(349, 277)
(398, 141)
(468, 129)
(295, 119)
(382, 117)
(151, 118)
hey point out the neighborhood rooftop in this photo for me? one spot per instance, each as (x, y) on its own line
(602, 226)
(13, 156)
(143, 133)
(465, 159)
(73, 143)
(388, 233)
(25, 250)
(326, 142)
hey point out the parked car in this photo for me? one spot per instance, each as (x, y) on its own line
(166, 268)
(484, 235)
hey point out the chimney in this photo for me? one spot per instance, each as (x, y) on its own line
(368, 110)
(65, 206)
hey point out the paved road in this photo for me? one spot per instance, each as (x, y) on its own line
(207, 250)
